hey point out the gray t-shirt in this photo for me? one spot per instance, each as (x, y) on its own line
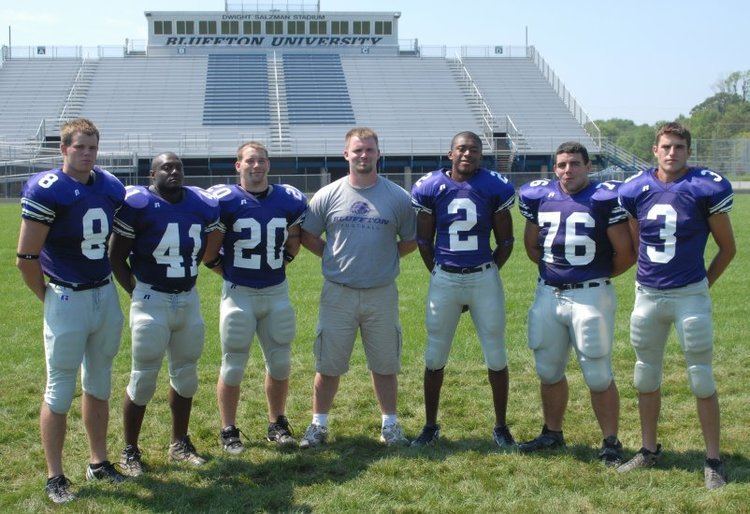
(361, 227)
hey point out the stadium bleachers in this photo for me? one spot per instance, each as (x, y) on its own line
(31, 90)
(236, 90)
(316, 90)
(515, 87)
(300, 103)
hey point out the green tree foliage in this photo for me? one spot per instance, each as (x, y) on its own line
(724, 115)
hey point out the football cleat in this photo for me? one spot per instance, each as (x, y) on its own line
(428, 437)
(130, 461)
(503, 438)
(643, 459)
(611, 453)
(104, 471)
(58, 489)
(714, 474)
(230, 440)
(280, 432)
(547, 440)
(184, 451)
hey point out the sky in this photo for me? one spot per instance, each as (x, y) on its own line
(641, 60)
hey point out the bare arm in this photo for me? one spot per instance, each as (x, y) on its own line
(30, 242)
(292, 242)
(406, 247)
(214, 240)
(119, 249)
(426, 238)
(635, 234)
(315, 244)
(721, 230)
(531, 242)
(622, 244)
(502, 227)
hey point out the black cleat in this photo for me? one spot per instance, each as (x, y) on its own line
(58, 489)
(281, 433)
(503, 438)
(230, 440)
(547, 440)
(611, 453)
(104, 471)
(428, 437)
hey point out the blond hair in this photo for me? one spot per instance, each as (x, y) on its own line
(251, 144)
(362, 133)
(77, 126)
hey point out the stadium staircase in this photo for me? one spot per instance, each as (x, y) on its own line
(79, 90)
(618, 156)
(236, 90)
(501, 137)
(316, 89)
(277, 106)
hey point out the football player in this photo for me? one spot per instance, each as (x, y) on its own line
(578, 236)
(260, 237)
(369, 224)
(159, 237)
(66, 216)
(458, 209)
(673, 208)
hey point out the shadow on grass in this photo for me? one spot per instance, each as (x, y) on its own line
(736, 465)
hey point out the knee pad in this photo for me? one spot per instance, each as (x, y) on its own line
(142, 386)
(597, 373)
(646, 377)
(184, 380)
(701, 380)
(434, 359)
(278, 363)
(496, 358)
(696, 335)
(61, 385)
(548, 372)
(233, 367)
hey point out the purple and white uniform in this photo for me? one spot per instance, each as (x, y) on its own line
(82, 323)
(463, 213)
(673, 223)
(671, 285)
(255, 295)
(574, 302)
(465, 273)
(165, 317)
(572, 229)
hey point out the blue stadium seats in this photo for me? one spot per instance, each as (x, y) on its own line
(316, 89)
(236, 90)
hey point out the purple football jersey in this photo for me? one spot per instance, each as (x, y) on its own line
(168, 238)
(255, 231)
(463, 213)
(80, 221)
(673, 222)
(572, 228)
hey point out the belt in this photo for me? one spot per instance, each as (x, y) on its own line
(80, 287)
(578, 285)
(466, 270)
(168, 290)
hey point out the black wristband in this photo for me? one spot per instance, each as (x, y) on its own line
(505, 242)
(27, 256)
(288, 257)
(212, 264)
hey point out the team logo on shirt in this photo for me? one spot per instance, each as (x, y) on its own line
(360, 208)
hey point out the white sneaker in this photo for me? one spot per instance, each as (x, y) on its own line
(315, 435)
(393, 435)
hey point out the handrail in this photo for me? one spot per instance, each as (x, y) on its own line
(624, 156)
(487, 116)
(566, 96)
(72, 91)
(278, 95)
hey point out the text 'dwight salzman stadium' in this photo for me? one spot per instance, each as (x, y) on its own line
(295, 80)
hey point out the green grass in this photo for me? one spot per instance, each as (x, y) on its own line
(354, 473)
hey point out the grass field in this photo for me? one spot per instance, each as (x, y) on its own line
(464, 473)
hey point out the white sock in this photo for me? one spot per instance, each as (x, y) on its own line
(320, 419)
(389, 419)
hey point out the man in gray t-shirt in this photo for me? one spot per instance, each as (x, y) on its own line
(369, 224)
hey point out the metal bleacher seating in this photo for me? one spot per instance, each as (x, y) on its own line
(31, 90)
(236, 90)
(515, 87)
